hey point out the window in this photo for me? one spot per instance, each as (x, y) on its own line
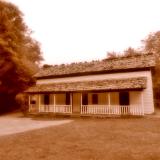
(46, 99)
(84, 99)
(33, 99)
(33, 102)
(94, 98)
(124, 98)
(68, 99)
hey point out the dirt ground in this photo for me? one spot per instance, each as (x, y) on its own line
(16, 123)
(87, 139)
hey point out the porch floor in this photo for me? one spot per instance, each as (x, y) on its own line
(77, 115)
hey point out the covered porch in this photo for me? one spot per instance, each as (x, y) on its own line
(100, 97)
(56, 103)
(114, 103)
(90, 103)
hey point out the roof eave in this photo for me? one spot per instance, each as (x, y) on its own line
(95, 72)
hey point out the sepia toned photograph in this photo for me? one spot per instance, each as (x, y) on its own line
(79, 80)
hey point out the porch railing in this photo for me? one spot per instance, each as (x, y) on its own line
(56, 108)
(91, 109)
(112, 109)
(33, 108)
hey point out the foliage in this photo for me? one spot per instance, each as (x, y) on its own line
(22, 101)
(131, 52)
(45, 66)
(19, 53)
(112, 55)
(126, 53)
(152, 45)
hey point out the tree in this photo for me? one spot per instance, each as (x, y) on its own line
(152, 45)
(131, 52)
(45, 66)
(20, 54)
(112, 55)
(126, 53)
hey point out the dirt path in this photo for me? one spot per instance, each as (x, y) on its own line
(16, 123)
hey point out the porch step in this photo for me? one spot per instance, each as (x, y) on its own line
(75, 115)
(99, 116)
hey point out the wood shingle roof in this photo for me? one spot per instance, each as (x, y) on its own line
(98, 85)
(107, 65)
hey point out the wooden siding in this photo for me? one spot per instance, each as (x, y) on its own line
(147, 93)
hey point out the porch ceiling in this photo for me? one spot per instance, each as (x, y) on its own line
(98, 85)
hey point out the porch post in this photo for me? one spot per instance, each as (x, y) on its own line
(54, 109)
(142, 103)
(71, 102)
(39, 101)
(29, 103)
(81, 104)
(109, 101)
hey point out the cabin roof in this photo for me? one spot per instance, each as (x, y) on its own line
(98, 85)
(103, 66)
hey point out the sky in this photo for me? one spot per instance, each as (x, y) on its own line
(84, 30)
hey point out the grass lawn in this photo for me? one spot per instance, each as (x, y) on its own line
(87, 139)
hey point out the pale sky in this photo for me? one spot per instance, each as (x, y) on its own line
(84, 30)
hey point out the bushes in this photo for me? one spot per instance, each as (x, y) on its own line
(22, 101)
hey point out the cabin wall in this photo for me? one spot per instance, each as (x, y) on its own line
(95, 77)
(60, 99)
(102, 98)
(135, 98)
(114, 98)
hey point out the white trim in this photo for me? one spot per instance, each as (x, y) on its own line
(81, 103)
(71, 101)
(54, 99)
(142, 100)
(109, 99)
(39, 102)
(54, 102)
(29, 103)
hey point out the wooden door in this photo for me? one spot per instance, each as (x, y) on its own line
(76, 102)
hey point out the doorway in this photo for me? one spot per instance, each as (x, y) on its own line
(76, 103)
